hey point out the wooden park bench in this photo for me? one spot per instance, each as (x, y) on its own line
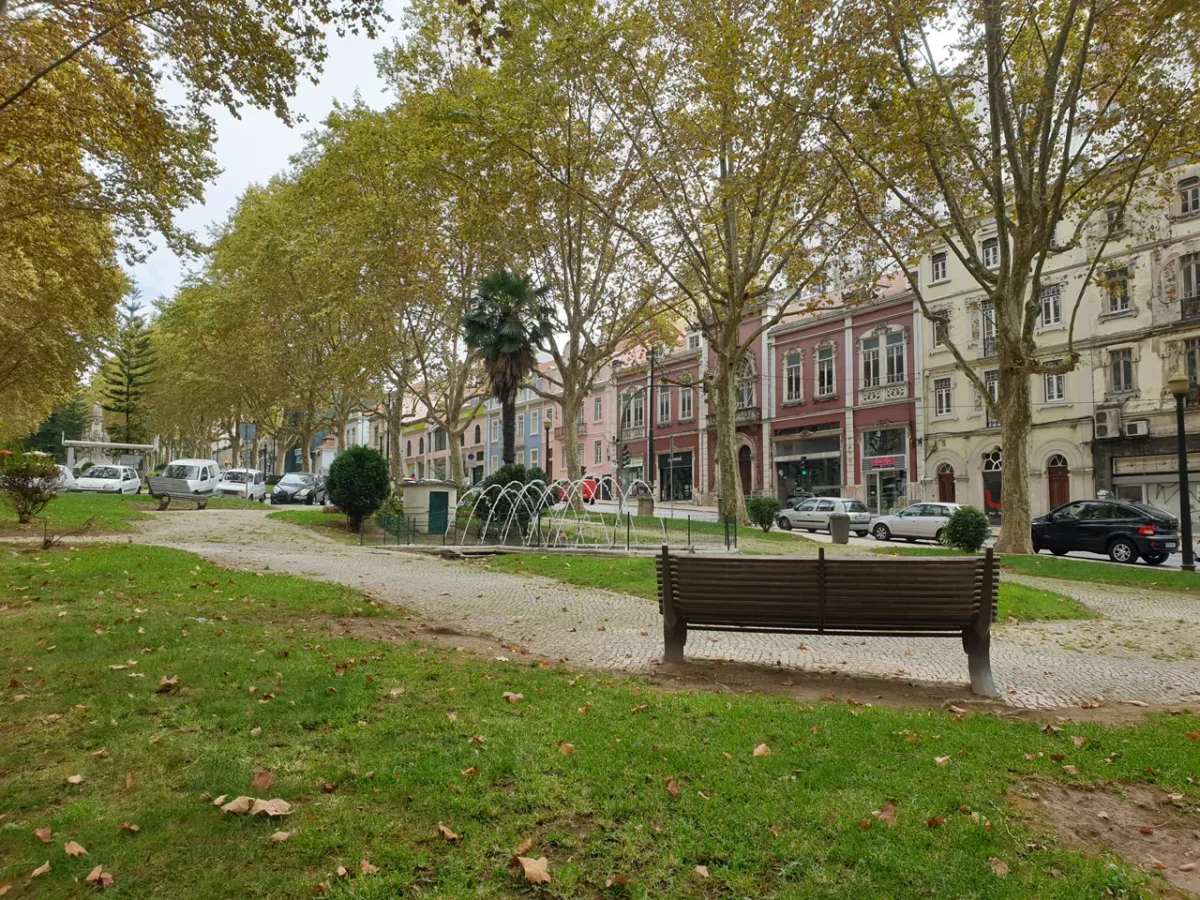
(164, 489)
(905, 597)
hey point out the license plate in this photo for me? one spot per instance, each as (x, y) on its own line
(1170, 545)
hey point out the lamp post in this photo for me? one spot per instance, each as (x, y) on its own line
(1179, 385)
(548, 423)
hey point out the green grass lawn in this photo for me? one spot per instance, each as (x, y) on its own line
(635, 575)
(372, 771)
(69, 511)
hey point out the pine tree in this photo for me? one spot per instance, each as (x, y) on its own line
(126, 375)
(67, 421)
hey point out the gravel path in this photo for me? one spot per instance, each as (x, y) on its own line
(1144, 650)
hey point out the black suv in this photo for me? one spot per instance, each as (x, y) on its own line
(1123, 530)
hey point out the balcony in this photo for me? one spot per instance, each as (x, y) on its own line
(883, 393)
(633, 434)
(746, 415)
(1189, 308)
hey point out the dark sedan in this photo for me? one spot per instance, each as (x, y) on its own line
(1123, 530)
(298, 487)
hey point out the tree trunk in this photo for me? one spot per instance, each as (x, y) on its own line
(394, 434)
(305, 456)
(508, 428)
(254, 448)
(723, 396)
(456, 467)
(1015, 422)
(235, 446)
(570, 445)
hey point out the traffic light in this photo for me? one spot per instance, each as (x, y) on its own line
(804, 466)
(625, 459)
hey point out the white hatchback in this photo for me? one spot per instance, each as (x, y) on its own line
(813, 514)
(200, 474)
(248, 484)
(921, 521)
(109, 480)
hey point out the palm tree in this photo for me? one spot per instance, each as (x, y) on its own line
(506, 323)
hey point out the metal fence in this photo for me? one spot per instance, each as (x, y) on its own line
(612, 532)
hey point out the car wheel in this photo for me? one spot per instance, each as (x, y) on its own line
(882, 532)
(308, 502)
(1122, 550)
(1059, 552)
(861, 534)
(1156, 559)
(941, 532)
(811, 530)
(785, 523)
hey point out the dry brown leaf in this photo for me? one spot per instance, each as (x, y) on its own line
(566, 749)
(999, 866)
(262, 781)
(513, 698)
(864, 824)
(168, 685)
(467, 773)
(133, 829)
(99, 877)
(239, 806)
(1070, 770)
(74, 779)
(1188, 867)
(727, 755)
(341, 872)
(280, 837)
(1193, 735)
(958, 711)
(218, 802)
(942, 760)
(43, 834)
(5, 887)
(523, 847)
(274, 807)
(366, 868)
(672, 787)
(396, 691)
(129, 781)
(1078, 741)
(616, 879)
(887, 814)
(935, 821)
(447, 833)
(40, 870)
(702, 871)
(537, 871)
(762, 750)
(73, 849)
(255, 732)
(475, 739)
(100, 754)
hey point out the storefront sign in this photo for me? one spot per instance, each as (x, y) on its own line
(872, 463)
(1153, 465)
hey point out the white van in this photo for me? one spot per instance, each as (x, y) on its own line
(248, 484)
(201, 475)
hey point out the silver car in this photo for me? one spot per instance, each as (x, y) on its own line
(921, 521)
(814, 514)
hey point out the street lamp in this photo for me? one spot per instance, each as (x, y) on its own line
(1180, 384)
(548, 424)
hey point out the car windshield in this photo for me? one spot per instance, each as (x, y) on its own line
(1152, 510)
(238, 477)
(103, 472)
(854, 506)
(296, 480)
(175, 470)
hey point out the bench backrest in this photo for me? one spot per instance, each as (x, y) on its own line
(893, 595)
(159, 485)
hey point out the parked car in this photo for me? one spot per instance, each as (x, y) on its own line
(298, 487)
(65, 480)
(1123, 530)
(109, 480)
(813, 514)
(248, 484)
(921, 521)
(793, 502)
(201, 475)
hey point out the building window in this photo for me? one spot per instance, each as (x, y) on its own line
(408, 449)
(421, 446)
(987, 311)
(884, 442)
(664, 404)
(1055, 385)
(597, 409)
(533, 457)
(870, 362)
(685, 404)
(895, 357)
(940, 326)
(939, 266)
(1122, 370)
(634, 415)
(793, 386)
(579, 450)
(478, 435)
(942, 397)
(580, 418)
(535, 421)
(991, 252)
(597, 453)
(521, 457)
(439, 440)
(1116, 287)
(1114, 218)
(693, 342)
(991, 380)
(825, 383)
(520, 424)
(745, 385)
(1191, 349)
(1189, 196)
(495, 430)
(1051, 303)
(495, 463)
(1189, 275)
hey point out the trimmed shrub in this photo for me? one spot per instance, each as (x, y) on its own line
(763, 511)
(358, 483)
(27, 482)
(967, 529)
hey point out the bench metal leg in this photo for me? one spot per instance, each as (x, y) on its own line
(674, 637)
(163, 502)
(201, 504)
(979, 661)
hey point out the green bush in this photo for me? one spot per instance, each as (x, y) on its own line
(27, 482)
(392, 508)
(763, 511)
(967, 529)
(500, 508)
(358, 483)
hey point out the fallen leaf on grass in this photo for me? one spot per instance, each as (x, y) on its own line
(134, 829)
(100, 754)
(1188, 867)
(40, 870)
(99, 877)
(255, 732)
(43, 834)
(537, 871)
(396, 691)
(1193, 735)
(672, 788)
(75, 779)
(999, 866)
(523, 847)
(5, 887)
(702, 871)
(616, 879)
(640, 707)
(935, 821)
(513, 698)
(366, 868)
(467, 773)
(341, 872)
(727, 755)
(262, 781)
(887, 814)
(274, 807)
(864, 824)
(239, 806)
(1070, 770)
(447, 833)
(129, 781)
(942, 760)
(168, 685)
(280, 837)
(762, 750)
(565, 748)
(73, 849)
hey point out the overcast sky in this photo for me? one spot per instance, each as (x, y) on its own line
(252, 149)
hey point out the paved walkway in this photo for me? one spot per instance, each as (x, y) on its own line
(1145, 650)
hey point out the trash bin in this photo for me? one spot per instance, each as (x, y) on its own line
(839, 527)
(646, 505)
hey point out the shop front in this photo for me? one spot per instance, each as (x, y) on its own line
(808, 464)
(675, 476)
(885, 469)
(1154, 480)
